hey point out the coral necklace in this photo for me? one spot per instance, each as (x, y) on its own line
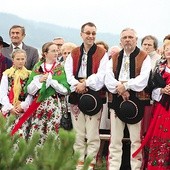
(51, 70)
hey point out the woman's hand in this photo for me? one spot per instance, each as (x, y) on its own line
(43, 78)
(166, 90)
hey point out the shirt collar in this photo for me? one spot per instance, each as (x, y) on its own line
(20, 46)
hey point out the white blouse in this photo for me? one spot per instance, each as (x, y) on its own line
(156, 93)
(35, 84)
(4, 100)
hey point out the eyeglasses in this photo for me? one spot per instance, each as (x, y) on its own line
(66, 53)
(89, 33)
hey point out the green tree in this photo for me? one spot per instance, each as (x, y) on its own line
(56, 153)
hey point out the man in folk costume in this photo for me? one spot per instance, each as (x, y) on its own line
(127, 74)
(85, 71)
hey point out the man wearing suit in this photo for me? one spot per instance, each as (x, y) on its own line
(17, 34)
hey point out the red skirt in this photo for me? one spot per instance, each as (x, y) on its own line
(157, 140)
(159, 143)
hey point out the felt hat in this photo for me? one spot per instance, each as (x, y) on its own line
(4, 43)
(129, 112)
(90, 103)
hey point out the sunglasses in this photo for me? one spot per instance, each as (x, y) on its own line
(90, 33)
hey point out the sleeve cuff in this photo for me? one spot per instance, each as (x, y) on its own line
(87, 83)
(126, 85)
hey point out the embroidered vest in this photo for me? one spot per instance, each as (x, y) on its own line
(96, 58)
(22, 95)
(136, 64)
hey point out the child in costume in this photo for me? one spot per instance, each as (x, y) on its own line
(12, 97)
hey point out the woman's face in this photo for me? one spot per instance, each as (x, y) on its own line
(167, 51)
(19, 60)
(66, 52)
(52, 54)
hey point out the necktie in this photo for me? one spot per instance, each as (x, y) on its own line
(16, 48)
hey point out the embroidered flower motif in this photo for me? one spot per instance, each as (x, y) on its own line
(59, 72)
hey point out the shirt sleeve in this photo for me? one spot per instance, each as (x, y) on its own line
(25, 104)
(96, 81)
(110, 80)
(68, 66)
(34, 86)
(156, 94)
(4, 99)
(140, 82)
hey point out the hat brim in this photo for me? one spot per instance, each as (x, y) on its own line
(5, 44)
(84, 102)
(123, 112)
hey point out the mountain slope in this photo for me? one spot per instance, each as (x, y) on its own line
(37, 33)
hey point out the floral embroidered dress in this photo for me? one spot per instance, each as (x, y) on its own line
(45, 110)
(157, 139)
(12, 93)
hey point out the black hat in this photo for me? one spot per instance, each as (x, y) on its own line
(4, 43)
(129, 112)
(90, 103)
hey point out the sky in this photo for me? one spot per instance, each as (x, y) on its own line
(111, 16)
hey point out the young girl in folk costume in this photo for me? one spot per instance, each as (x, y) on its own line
(157, 139)
(12, 96)
(46, 84)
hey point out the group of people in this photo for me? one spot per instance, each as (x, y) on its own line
(132, 83)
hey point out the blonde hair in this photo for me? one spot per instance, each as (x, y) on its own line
(18, 51)
(68, 45)
(167, 42)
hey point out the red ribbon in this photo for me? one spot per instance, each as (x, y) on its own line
(11, 95)
(147, 137)
(26, 115)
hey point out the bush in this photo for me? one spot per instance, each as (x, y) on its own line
(56, 153)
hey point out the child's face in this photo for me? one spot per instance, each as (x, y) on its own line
(19, 60)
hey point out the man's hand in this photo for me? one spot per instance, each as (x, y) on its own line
(120, 89)
(81, 88)
(125, 95)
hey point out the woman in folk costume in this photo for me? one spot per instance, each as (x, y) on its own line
(12, 96)
(157, 139)
(47, 83)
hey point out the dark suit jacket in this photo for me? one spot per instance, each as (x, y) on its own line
(32, 55)
(5, 63)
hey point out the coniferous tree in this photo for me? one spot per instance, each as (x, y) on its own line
(56, 153)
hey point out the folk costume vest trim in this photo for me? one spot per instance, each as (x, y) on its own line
(136, 59)
(95, 54)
